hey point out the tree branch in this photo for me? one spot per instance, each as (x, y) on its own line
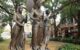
(5, 10)
(71, 1)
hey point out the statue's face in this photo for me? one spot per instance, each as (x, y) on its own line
(19, 9)
(29, 5)
(39, 3)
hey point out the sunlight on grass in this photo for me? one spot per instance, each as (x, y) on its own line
(4, 45)
(53, 45)
(70, 46)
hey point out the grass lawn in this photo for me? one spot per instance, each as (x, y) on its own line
(4, 45)
(53, 45)
(69, 46)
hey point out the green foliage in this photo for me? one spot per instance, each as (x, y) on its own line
(70, 47)
(7, 19)
(1, 30)
(5, 16)
(7, 6)
(50, 4)
(20, 1)
(69, 11)
(29, 35)
(7, 9)
(47, 4)
(1, 39)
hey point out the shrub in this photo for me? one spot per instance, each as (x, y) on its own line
(1, 39)
(70, 47)
(30, 35)
(1, 30)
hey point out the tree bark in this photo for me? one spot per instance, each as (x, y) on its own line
(78, 21)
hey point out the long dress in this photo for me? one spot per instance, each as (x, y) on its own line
(17, 36)
(37, 30)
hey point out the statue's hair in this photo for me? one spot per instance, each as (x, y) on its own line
(37, 3)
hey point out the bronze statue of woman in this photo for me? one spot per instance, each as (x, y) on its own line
(17, 36)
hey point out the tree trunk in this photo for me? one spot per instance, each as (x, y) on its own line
(55, 28)
(78, 23)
